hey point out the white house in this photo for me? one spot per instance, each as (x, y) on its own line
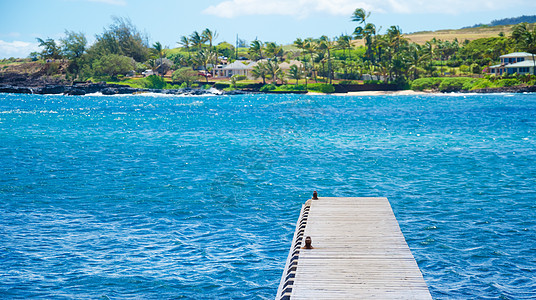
(245, 68)
(517, 62)
(236, 68)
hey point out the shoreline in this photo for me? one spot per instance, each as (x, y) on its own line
(79, 89)
(376, 93)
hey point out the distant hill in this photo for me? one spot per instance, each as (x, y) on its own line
(463, 34)
(507, 21)
(468, 33)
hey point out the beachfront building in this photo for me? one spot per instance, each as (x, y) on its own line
(245, 67)
(236, 68)
(512, 63)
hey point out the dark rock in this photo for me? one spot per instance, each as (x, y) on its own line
(50, 89)
(75, 92)
(6, 88)
(109, 91)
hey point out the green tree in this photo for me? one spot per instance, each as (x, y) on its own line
(74, 47)
(260, 70)
(51, 50)
(197, 40)
(158, 49)
(73, 44)
(209, 36)
(326, 44)
(295, 73)
(300, 44)
(121, 38)
(205, 57)
(273, 50)
(255, 49)
(225, 49)
(185, 43)
(185, 75)
(273, 70)
(364, 30)
(113, 65)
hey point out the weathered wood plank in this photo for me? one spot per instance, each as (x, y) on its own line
(358, 252)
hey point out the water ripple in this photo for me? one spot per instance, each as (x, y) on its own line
(197, 197)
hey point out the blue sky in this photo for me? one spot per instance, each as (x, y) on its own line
(280, 21)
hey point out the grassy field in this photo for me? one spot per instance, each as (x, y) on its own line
(450, 34)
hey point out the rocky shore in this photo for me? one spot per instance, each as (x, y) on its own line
(37, 84)
(103, 88)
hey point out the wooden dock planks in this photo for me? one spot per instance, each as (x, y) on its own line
(358, 252)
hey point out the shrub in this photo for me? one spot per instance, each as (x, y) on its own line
(421, 84)
(154, 82)
(455, 84)
(245, 85)
(321, 87)
(222, 85)
(185, 75)
(507, 82)
(291, 87)
(482, 84)
(268, 87)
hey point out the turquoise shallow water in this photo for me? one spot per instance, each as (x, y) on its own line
(196, 197)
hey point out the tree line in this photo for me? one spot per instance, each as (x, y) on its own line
(388, 56)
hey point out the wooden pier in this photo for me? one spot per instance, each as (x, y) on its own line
(358, 252)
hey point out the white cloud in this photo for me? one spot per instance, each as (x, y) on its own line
(303, 8)
(17, 49)
(112, 2)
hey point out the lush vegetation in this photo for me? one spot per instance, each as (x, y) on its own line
(385, 57)
(454, 84)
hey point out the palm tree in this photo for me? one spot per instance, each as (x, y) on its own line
(185, 43)
(197, 40)
(525, 40)
(160, 52)
(327, 45)
(300, 44)
(360, 16)
(367, 31)
(204, 57)
(296, 73)
(344, 42)
(260, 70)
(273, 69)
(428, 49)
(272, 50)
(415, 58)
(209, 36)
(255, 49)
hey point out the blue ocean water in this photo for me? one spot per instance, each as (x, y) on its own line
(161, 197)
